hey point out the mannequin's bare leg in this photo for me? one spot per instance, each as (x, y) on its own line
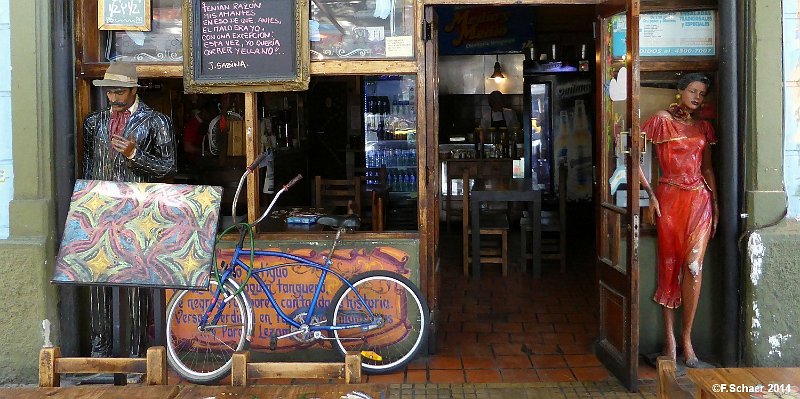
(669, 330)
(690, 290)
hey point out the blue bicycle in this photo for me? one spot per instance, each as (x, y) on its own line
(379, 314)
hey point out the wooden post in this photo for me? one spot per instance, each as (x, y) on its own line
(239, 369)
(352, 368)
(156, 366)
(48, 378)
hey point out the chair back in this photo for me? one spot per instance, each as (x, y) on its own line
(465, 201)
(340, 195)
(374, 197)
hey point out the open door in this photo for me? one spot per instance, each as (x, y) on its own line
(618, 189)
(430, 107)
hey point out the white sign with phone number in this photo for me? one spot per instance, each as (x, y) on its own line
(669, 34)
(688, 33)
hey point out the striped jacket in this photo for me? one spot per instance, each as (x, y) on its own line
(155, 147)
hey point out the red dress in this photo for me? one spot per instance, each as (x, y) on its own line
(684, 197)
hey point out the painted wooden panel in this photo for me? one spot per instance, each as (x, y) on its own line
(139, 234)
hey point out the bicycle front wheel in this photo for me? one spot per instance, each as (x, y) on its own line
(204, 356)
(403, 314)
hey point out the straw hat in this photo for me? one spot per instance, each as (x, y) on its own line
(119, 74)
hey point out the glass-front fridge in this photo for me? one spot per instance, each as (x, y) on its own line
(390, 141)
(558, 128)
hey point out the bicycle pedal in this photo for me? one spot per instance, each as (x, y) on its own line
(273, 342)
(371, 355)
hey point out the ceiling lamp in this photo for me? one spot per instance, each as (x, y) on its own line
(497, 75)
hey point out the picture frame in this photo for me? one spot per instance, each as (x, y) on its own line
(235, 46)
(135, 15)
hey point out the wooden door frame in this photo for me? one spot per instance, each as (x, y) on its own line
(624, 365)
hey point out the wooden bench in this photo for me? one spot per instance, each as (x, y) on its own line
(52, 365)
(242, 369)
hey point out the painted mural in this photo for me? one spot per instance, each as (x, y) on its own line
(142, 234)
(293, 286)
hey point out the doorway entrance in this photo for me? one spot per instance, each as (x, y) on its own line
(517, 327)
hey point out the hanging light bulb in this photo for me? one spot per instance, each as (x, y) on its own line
(497, 75)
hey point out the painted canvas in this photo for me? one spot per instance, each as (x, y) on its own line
(139, 234)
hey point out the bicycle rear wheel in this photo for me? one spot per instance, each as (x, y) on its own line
(393, 343)
(205, 356)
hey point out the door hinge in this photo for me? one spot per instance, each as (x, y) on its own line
(427, 29)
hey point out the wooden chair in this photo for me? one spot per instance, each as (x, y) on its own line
(554, 228)
(492, 224)
(52, 365)
(338, 195)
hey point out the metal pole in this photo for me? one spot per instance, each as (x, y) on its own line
(728, 186)
(64, 157)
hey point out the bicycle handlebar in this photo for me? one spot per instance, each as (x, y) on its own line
(293, 182)
(257, 162)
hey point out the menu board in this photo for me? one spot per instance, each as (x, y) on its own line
(247, 45)
(123, 15)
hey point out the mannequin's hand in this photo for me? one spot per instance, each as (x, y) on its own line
(652, 210)
(654, 204)
(123, 146)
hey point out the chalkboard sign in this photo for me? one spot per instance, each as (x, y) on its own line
(245, 45)
(123, 15)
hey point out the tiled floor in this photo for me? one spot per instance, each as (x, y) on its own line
(514, 329)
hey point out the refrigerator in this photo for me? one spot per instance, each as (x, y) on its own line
(390, 141)
(558, 104)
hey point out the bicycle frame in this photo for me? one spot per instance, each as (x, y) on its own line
(295, 260)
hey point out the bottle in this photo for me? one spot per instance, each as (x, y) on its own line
(580, 155)
(583, 63)
(560, 144)
(413, 182)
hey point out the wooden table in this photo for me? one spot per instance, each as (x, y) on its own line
(506, 190)
(746, 383)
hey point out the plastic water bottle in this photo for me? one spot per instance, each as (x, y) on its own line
(413, 183)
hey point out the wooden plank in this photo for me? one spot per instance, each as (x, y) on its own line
(252, 140)
(296, 370)
(352, 368)
(280, 391)
(781, 376)
(328, 235)
(156, 366)
(668, 387)
(239, 368)
(100, 365)
(513, 2)
(94, 70)
(48, 377)
(95, 392)
(358, 67)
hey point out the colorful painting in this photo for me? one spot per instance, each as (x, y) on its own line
(139, 234)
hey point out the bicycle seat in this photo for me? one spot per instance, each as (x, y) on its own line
(348, 221)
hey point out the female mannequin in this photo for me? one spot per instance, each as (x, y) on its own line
(686, 205)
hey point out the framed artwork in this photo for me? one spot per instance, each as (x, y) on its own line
(123, 15)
